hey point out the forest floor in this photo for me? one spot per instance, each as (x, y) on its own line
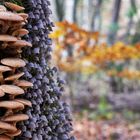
(118, 129)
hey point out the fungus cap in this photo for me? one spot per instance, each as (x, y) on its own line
(2, 8)
(23, 83)
(20, 32)
(14, 77)
(23, 15)
(16, 118)
(13, 134)
(20, 43)
(12, 89)
(9, 16)
(11, 105)
(24, 102)
(13, 6)
(13, 62)
(4, 68)
(7, 38)
(7, 126)
(1, 93)
(3, 137)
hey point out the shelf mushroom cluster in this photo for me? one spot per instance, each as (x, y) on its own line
(11, 85)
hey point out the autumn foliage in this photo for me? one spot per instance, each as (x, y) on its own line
(78, 50)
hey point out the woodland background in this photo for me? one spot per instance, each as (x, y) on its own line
(102, 79)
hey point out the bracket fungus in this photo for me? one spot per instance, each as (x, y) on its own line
(12, 85)
(7, 38)
(23, 83)
(4, 137)
(6, 127)
(20, 44)
(24, 102)
(9, 16)
(13, 62)
(14, 7)
(2, 93)
(14, 77)
(12, 89)
(2, 70)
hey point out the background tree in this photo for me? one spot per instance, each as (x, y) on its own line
(60, 8)
(132, 11)
(96, 18)
(114, 23)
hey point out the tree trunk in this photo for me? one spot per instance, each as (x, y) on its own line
(75, 11)
(96, 18)
(60, 5)
(69, 11)
(132, 12)
(114, 23)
